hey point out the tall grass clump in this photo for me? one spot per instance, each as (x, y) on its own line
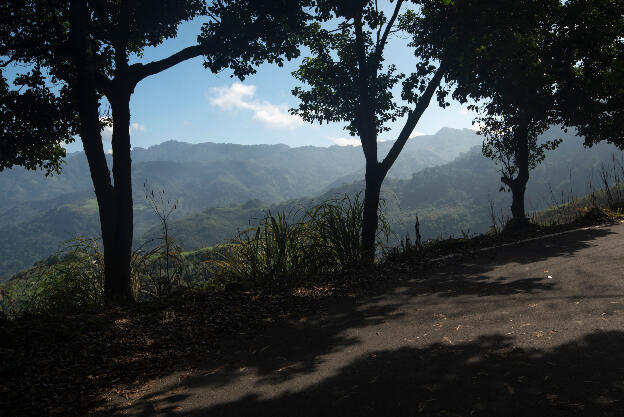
(290, 246)
(158, 272)
(338, 223)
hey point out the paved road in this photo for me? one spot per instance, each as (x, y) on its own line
(535, 329)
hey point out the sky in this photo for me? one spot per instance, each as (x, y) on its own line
(188, 103)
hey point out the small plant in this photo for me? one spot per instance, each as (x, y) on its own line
(406, 244)
(498, 220)
(160, 270)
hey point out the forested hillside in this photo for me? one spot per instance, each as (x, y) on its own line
(448, 199)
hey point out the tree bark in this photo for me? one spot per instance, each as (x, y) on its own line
(119, 289)
(518, 189)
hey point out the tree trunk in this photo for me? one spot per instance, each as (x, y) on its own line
(118, 289)
(518, 186)
(518, 189)
(90, 133)
(374, 178)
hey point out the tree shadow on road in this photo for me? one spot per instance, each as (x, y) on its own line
(486, 377)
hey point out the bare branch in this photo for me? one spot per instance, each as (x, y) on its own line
(103, 84)
(213, 16)
(338, 29)
(7, 63)
(380, 26)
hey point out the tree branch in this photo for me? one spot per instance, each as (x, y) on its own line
(5, 64)
(382, 43)
(139, 72)
(413, 118)
(103, 84)
(369, 141)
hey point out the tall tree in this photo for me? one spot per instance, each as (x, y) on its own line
(500, 55)
(350, 82)
(88, 46)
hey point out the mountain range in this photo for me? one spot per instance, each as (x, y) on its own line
(454, 198)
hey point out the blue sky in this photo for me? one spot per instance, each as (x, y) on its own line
(189, 103)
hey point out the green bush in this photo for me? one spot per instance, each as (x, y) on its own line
(73, 280)
(283, 247)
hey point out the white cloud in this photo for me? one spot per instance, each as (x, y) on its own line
(464, 110)
(234, 96)
(239, 96)
(346, 141)
(137, 127)
(416, 133)
(107, 132)
(109, 152)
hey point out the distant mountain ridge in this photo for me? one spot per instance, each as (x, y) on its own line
(448, 199)
(198, 176)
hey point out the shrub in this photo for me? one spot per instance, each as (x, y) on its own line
(73, 280)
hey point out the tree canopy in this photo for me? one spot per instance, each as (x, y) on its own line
(591, 81)
(88, 46)
(34, 123)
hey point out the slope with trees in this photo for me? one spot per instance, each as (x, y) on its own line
(198, 176)
(447, 199)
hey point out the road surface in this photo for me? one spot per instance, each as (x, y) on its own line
(529, 330)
